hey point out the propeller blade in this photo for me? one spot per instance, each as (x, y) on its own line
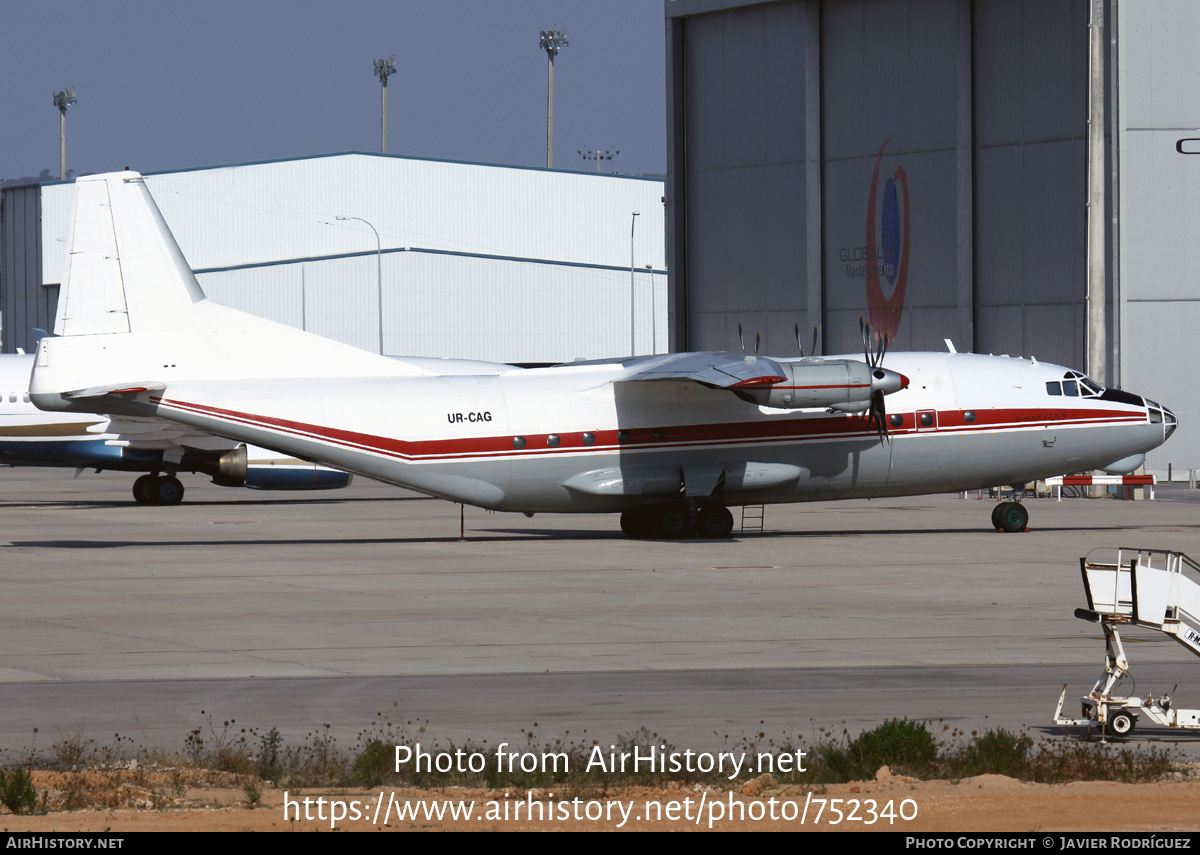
(757, 342)
(741, 341)
(879, 414)
(814, 347)
(799, 346)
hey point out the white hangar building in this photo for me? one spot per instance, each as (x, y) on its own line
(472, 261)
(923, 163)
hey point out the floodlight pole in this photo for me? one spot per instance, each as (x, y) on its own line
(598, 156)
(63, 100)
(378, 274)
(384, 68)
(632, 226)
(551, 42)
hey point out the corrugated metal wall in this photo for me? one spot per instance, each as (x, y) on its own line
(1158, 133)
(26, 304)
(951, 198)
(484, 262)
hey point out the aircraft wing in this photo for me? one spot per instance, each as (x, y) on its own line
(716, 370)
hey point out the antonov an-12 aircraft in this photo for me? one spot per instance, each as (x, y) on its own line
(669, 442)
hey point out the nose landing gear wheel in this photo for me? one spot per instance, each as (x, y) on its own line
(1010, 517)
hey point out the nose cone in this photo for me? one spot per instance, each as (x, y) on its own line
(886, 381)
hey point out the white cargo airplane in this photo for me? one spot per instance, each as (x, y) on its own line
(669, 442)
(30, 437)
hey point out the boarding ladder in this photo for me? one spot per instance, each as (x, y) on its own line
(752, 518)
(1151, 588)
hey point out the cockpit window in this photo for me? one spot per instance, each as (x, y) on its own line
(1075, 385)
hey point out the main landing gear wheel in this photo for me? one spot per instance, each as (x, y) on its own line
(143, 490)
(1121, 723)
(158, 490)
(714, 521)
(675, 522)
(1010, 517)
(638, 525)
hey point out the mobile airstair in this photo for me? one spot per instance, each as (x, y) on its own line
(1150, 588)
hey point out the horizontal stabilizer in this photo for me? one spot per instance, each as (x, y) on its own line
(115, 389)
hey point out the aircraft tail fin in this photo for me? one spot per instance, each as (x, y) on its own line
(124, 270)
(131, 313)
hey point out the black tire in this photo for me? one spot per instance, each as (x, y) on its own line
(675, 522)
(143, 490)
(168, 490)
(1121, 723)
(996, 512)
(714, 521)
(1014, 518)
(638, 525)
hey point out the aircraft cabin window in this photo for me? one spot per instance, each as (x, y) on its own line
(589, 439)
(518, 442)
(926, 419)
(25, 397)
(969, 417)
(1053, 387)
(12, 397)
(622, 436)
(552, 440)
(896, 420)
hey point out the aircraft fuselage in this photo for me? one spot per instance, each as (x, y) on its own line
(568, 439)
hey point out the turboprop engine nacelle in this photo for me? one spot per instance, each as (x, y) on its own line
(840, 384)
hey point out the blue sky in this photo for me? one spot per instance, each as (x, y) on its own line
(168, 86)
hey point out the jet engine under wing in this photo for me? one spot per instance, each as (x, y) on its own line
(815, 382)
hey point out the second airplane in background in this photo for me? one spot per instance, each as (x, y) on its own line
(669, 442)
(30, 437)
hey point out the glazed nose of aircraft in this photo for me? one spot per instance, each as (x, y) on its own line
(886, 381)
(1159, 414)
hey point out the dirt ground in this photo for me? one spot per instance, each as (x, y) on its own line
(986, 803)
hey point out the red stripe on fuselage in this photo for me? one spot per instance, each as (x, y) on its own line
(733, 433)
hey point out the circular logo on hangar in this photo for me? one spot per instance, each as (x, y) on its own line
(887, 249)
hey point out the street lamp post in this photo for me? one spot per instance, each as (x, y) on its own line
(378, 274)
(384, 68)
(63, 100)
(632, 226)
(551, 42)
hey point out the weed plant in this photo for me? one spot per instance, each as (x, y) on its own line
(222, 754)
